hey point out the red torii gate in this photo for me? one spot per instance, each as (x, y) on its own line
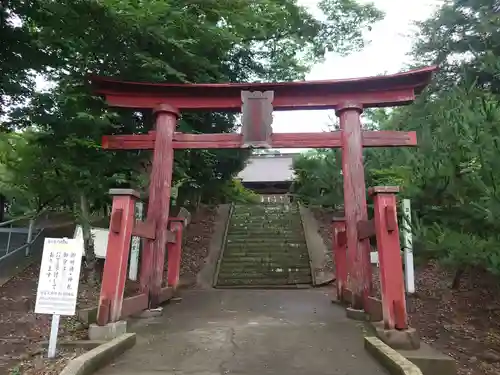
(256, 101)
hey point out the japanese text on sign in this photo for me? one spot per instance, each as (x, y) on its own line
(59, 276)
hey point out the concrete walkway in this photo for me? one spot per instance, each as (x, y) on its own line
(248, 332)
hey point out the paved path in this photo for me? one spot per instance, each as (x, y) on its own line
(248, 332)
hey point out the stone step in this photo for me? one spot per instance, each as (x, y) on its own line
(295, 264)
(289, 266)
(263, 218)
(243, 265)
(270, 243)
(265, 246)
(266, 254)
(265, 215)
(263, 257)
(265, 226)
(271, 210)
(260, 217)
(266, 249)
(251, 273)
(275, 259)
(252, 243)
(284, 262)
(304, 277)
(272, 240)
(284, 231)
(266, 235)
(272, 232)
(266, 208)
(264, 281)
(255, 216)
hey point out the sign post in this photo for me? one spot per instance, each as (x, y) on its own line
(58, 282)
(135, 245)
(408, 247)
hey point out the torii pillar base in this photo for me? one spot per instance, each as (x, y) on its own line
(107, 332)
(405, 339)
(354, 314)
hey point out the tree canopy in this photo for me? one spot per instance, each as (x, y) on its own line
(451, 178)
(65, 41)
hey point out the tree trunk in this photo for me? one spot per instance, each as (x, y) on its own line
(2, 207)
(458, 276)
(89, 274)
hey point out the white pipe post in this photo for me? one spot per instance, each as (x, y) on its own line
(30, 235)
(54, 328)
(408, 247)
(8, 239)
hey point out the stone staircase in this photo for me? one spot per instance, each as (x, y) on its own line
(265, 246)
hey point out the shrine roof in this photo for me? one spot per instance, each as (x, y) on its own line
(268, 168)
(375, 91)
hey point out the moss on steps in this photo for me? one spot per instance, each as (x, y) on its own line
(265, 246)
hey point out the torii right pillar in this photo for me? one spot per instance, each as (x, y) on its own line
(359, 277)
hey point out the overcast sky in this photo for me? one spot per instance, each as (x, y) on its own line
(387, 53)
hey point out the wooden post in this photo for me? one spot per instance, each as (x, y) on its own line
(117, 253)
(340, 255)
(389, 254)
(153, 257)
(175, 253)
(358, 252)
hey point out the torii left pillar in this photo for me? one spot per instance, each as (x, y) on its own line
(358, 252)
(153, 255)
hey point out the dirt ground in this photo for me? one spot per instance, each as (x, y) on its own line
(463, 323)
(195, 245)
(22, 331)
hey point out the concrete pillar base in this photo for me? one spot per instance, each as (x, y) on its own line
(108, 332)
(407, 339)
(336, 299)
(359, 315)
(150, 313)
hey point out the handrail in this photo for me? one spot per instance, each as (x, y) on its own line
(11, 221)
(22, 247)
(224, 244)
(31, 227)
(31, 215)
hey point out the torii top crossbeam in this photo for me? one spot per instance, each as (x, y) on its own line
(378, 91)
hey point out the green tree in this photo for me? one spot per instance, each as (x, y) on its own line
(153, 40)
(463, 38)
(318, 178)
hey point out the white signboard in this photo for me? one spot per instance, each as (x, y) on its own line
(135, 245)
(100, 240)
(59, 276)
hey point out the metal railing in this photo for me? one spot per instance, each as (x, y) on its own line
(14, 244)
